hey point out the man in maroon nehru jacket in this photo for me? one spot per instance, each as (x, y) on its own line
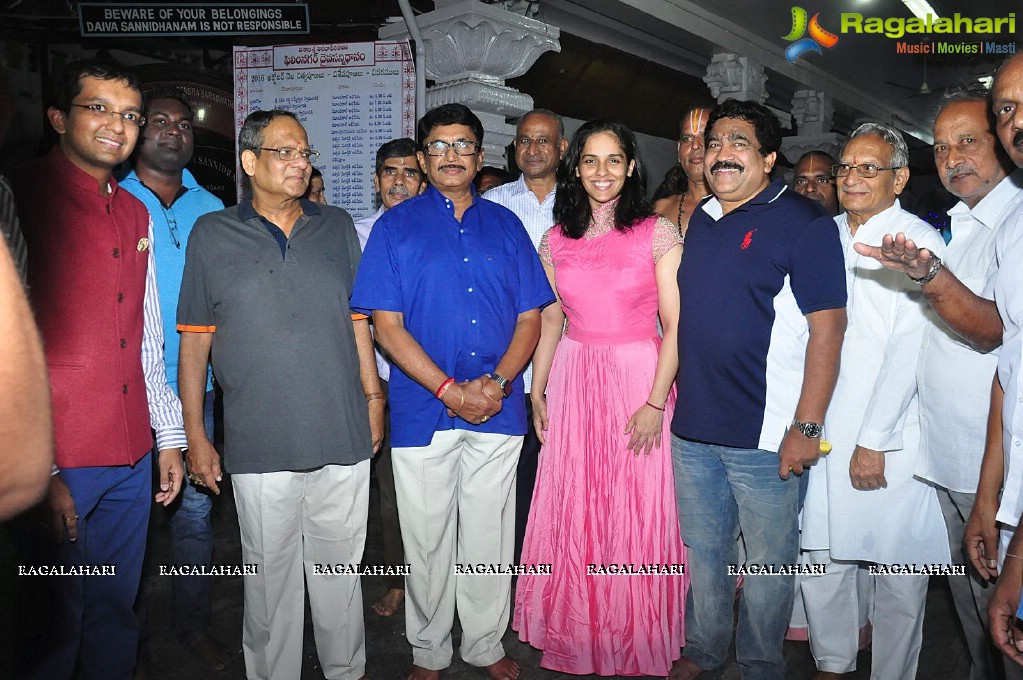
(93, 287)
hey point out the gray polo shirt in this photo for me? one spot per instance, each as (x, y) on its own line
(283, 344)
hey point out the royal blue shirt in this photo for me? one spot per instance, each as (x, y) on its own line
(461, 287)
(746, 281)
(171, 227)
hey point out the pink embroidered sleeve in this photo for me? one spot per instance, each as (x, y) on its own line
(545, 248)
(666, 237)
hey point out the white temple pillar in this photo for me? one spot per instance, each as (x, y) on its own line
(814, 114)
(730, 76)
(471, 49)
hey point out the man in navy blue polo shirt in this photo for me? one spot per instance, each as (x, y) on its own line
(762, 295)
(455, 287)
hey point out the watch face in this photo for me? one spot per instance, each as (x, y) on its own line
(811, 429)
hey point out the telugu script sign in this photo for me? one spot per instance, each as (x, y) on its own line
(351, 98)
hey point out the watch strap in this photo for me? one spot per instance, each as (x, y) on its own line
(502, 382)
(811, 430)
(936, 265)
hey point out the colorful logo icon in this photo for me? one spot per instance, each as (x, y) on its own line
(819, 37)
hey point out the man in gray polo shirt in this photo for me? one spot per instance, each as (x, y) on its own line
(266, 287)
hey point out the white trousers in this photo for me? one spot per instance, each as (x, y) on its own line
(456, 504)
(291, 520)
(834, 618)
(864, 601)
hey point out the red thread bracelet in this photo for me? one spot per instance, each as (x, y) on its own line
(656, 408)
(443, 387)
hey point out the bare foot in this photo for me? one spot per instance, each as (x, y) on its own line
(420, 673)
(211, 652)
(390, 603)
(684, 669)
(505, 669)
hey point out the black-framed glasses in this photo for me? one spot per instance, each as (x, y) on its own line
(286, 153)
(819, 181)
(864, 170)
(463, 147)
(101, 111)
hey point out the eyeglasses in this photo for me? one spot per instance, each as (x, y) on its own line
(286, 153)
(463, 147)
(864, 170)
(101, 111)
(819, 181)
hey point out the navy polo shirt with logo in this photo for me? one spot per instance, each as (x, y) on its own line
(746, 281)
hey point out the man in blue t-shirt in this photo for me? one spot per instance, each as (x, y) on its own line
(762, 300)
(175, 201)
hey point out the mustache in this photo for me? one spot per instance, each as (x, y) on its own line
(726, 165)
(398, 190)
(1017, 139)
(451, 165)
(960, 169)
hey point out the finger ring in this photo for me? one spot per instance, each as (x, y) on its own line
(485, 419)
(72, 518)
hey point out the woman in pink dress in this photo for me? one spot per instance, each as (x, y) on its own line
(604, 501)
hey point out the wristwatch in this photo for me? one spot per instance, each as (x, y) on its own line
(502, 382)
(811, 430)
(936, 265)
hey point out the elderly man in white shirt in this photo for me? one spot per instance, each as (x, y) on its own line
(953, 378)
(539, 146)
(864, 504)
(985, 325)
(396, 176)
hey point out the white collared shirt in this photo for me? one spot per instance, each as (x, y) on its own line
(954, 380)
(536, 216)
(363, 228)
(1008, 295)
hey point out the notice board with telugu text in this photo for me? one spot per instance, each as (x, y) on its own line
(350, 97)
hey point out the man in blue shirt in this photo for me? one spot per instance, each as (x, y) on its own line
(762, 300)
(175, 201)
(455, 287)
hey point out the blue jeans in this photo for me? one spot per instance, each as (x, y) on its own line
(192, 544)
(722, 491)
(91, 618)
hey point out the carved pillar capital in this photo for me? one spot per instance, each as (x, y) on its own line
(813, 111)
(794, 147)
(730, 76)
(471, 49)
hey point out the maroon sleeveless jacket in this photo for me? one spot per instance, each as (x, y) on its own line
(88, 255)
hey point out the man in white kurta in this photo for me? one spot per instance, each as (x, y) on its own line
(864, 503)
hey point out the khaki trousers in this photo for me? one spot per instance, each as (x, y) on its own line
(291, 522)
(456, 503)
